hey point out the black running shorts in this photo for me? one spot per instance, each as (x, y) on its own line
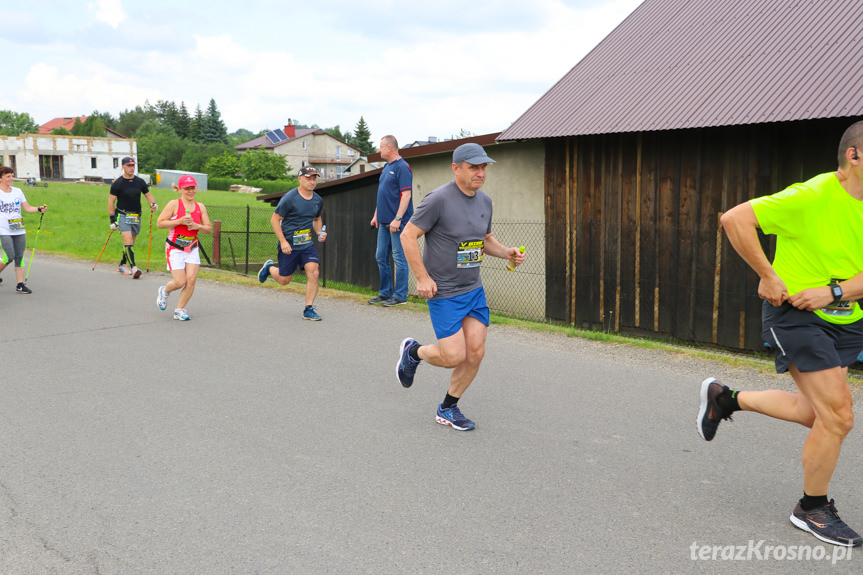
(810, 343)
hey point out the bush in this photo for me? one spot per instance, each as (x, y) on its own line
(267, 186)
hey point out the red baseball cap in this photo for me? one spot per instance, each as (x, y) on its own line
(187, 182)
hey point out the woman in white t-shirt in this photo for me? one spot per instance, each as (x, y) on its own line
(13, 235)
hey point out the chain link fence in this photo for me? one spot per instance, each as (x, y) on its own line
(521, 292)
(243, 240)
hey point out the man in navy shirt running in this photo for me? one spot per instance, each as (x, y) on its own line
(296, 215)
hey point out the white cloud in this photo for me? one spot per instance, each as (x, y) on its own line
(109, 11)
(479, 78)
(50, 94)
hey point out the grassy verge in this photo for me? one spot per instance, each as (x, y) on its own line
(361, 295)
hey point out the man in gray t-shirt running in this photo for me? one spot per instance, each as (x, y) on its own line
(456, 222)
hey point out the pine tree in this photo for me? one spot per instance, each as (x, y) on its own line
(196, 124)
(213, 128)
(184, 121)
(362, 137)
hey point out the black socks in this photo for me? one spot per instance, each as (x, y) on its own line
(727, 401)
(810, 502)
(449, 401)
(413, 352)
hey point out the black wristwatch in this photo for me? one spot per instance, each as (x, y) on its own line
(836, 289)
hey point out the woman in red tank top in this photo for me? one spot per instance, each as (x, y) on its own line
(184, 218)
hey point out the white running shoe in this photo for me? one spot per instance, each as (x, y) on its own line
(162, 299)
(181, 315)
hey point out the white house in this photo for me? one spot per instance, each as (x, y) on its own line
(49, 157)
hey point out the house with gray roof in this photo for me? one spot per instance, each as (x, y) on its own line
(330, 156)
(686, 109)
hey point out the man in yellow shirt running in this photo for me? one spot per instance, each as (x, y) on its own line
(811, 319)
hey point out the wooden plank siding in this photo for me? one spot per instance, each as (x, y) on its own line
(633, 240)
(348, 254)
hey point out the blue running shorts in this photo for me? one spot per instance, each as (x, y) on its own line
(447, 314)
(288, 263)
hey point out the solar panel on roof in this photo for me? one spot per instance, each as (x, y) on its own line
(276, 136)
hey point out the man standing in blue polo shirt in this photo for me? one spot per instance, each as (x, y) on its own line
(393, 211)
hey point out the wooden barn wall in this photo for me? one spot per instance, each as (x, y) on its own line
(633, 240)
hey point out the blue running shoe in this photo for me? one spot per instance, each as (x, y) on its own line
(310, 314)
(406, 367)
(265, 271)
(453, 416)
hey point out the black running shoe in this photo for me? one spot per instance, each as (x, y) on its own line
(21, 288)
(709, 413)
(825, 524)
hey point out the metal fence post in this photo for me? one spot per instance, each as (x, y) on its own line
(248, 215)
(217, 243)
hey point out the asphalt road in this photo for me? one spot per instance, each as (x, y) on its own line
(249, 441)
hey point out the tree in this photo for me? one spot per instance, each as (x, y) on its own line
(184, 121)
(92, 127)
(60, 131)
(129, 121)
(107, 119)
(212, 128)
(167, 113)
(262, 165)
(77, 127)
(197, 155)
(243, 135)
(160, 151)
(196, 125)
(362, 138)
(336, 132)
(15, 124)
(154, 128)
(226, 165)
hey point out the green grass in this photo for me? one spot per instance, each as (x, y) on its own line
(77, 224)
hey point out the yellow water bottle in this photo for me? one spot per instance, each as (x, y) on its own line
(510, 263)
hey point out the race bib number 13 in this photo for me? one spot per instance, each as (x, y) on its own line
(469, 254)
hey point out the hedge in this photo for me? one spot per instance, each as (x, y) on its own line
(267, 186)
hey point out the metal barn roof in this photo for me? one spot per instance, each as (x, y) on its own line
(675, 64)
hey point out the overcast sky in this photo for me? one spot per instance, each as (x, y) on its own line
(412, 69)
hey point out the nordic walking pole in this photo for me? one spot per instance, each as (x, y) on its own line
(103, 248)
(150, 243)
(36, 239)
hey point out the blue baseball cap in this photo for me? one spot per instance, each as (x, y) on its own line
(472, 154)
